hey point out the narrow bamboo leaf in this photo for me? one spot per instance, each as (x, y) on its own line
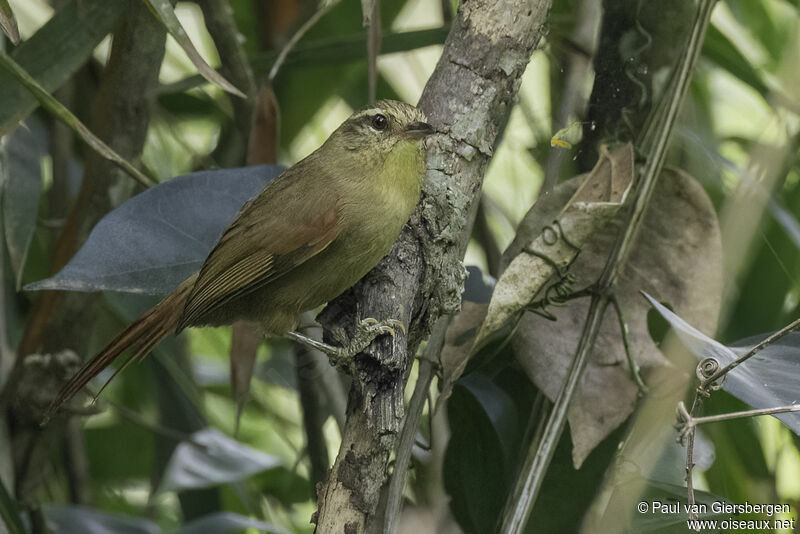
(8, 22)
(342, 49)
(74, 31)
(153, 241)
(9, 513)
(20, 194)
(211, 459)
(55, 107)
(163, 10)
(719, 49)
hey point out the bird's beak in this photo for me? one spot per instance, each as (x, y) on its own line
(418, 130)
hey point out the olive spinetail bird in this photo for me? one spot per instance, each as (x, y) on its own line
(310, 234)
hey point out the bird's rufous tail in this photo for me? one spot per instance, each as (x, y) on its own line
(142, 335)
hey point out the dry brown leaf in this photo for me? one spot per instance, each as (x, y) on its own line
(677, 259)
(246, 337)
(600, 195)
(262, 147)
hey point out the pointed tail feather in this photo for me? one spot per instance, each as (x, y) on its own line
(142, 336)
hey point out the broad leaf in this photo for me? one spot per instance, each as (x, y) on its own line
(480, 456)
(598, 198)
(79, 520)
(224, 522)
(20, 193)
(767, 380)
(211, 459)
(74, 31)
(677, 256)
(155, 240)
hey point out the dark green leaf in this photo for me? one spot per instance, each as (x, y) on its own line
(9, 512)
(155, 240)
(79, 520)
(719, 49)
(759, 19)
(224, 522)
(211, 459)
(20, 194)
(60, 111)
(74, 31)
(485, 428)
(284, 484)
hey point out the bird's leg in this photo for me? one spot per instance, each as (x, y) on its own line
(365, 333)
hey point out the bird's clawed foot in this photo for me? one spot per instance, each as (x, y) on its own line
(366, 331)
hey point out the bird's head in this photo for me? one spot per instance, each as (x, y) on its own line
(377, 129)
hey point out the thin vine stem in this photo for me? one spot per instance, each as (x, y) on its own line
(526, 490)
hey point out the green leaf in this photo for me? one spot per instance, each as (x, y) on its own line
(211, 459)
(484, 422)
(719, 49)
(82, 520)
(284, 484)
(763, 22)
(164, 12)
(20, 193)
(9, 512)
(74, 31)
(55, 107)
(8, 22)
(225, 522)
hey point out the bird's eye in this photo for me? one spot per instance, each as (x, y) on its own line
(379, 122)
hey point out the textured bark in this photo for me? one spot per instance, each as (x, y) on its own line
(468, 98)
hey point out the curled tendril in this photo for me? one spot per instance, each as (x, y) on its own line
(555, 295)
(705, 370)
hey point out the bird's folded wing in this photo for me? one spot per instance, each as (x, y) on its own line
(261, 245)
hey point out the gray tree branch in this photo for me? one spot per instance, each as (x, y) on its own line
(467, 98)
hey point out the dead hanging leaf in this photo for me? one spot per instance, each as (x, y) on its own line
(262, 147)
(677, 259)
(367, 10)
(245, 339)
(246, 336)
(592, 205)
(549, 252)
